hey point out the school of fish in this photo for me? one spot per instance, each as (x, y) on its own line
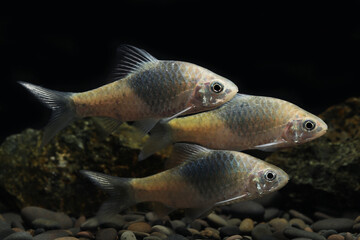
(205, 118)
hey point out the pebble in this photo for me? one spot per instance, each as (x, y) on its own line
(297, 222)
(133, 217)
(4, 225)
(271, 213)
(13, 219)
(117, 221)
(29, 214)
(234, 222)
(261, 231)
(106, 234)
(19, 236)
(6, 232)
(229, 231)
(199, 224)
(44, 223)
(292, 232)
(211, 233)
(336, 237)
(356, 227)
(90, 224)
(338, 224)
(140, 227)
(80, 221)
(357, 219)
(85, 234)
(128, 235)
(66, 238)
(246, 225)
(235, 237)
(321, 215)
(246, 209)
(327, 233)
(177, 223)
(162, 229)
(151, 238)
(159, 235)
(176, 237)
(297, 214)
(52, 234)
(279, 224)
(183, 231)
(215, 220)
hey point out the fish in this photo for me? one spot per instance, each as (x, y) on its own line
(245, 122)
(204, 179)
(144, 90)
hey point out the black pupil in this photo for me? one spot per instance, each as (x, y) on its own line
(217, 87)
(270, 175)
(309, 125)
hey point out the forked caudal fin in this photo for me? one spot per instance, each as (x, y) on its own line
(119, 189)
(62, 105)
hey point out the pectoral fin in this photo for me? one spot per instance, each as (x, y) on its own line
(270, 147)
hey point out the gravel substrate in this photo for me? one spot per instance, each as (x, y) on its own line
(247, 220)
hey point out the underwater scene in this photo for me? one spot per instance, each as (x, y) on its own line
(117, 129)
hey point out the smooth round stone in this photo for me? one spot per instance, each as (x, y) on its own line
(229, 231)
(298, 222)
(133, 217)
(260, 231)
(336, 237)
(29, 214)
(6, 232)
(211, 233)
(4, 225)
(140, 227)
(349, 236)
(176, 237)
(321, 215)
(13, 219)
(152, 238)
(199, 224)
(357, 219)
(356, 227)
(327, 233)
(80, 221)
(128, 235)
(216, 220)
(90, 224)
(271, 213)
(159, 235)
(297, 214)
(183, 231)
(117, 221)
(46, 224)
(19, 236)
(292, 232)
(193, 231)
(235, 237)
(106, 234)
(66, 238)
(162, 229)
(52, 234)
(85, 234)
(246, 225)
(151, 216)
(279, 224)
(177, 223)
(234, 222)
(247, 209)
(337, 224)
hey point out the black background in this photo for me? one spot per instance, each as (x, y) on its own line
(303, 52)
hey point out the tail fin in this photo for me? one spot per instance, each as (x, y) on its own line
(160, 137)
(119, 189)
(62, 105)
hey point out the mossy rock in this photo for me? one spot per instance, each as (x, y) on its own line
(49, 176)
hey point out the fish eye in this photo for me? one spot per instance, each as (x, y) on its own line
(270, 175)
(309, 125)
(217, 87)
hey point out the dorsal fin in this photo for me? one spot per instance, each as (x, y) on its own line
(130, 59)
(184, 152)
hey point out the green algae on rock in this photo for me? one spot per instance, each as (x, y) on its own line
(326, 171)
(49, 176)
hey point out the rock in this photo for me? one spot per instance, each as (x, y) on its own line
(162, 229)
(229, 231)
(128, 235)
(215, 220)
(140, 227)
(4, 225)
(297, 222)
(357, 219)
(279, 224)
(301, 216)
(321, 215)
(6, 232)
(234, 222)
(44, 223)
(199, 224)
(52, 234)
(183, 231)
(271, 213)
(246, 209)
(29, 214)
(85, 234)
(338, 224)
(211, 233)
(159, 235)
(246, 225)
(66, 238)
(356, 227)
(152, 238)
(292, 232)
(327, 233)
(177, 223)
(336, 237)
(176, 237)
(90, 224)
(133, 218)
(49, 176)
(117, 221)
(13, 219)
(335, 154)
(235, 237)
(80, 221)
(261, 231)
(19, 236)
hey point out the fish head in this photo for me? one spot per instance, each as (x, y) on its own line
(212, 91)
(304, 128)
(266, 178)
